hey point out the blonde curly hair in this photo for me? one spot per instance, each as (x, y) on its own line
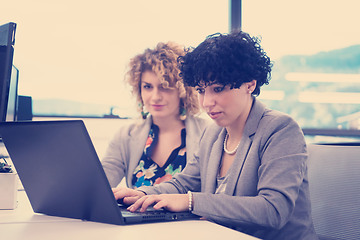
(163, 61)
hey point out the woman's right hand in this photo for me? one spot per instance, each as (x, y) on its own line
(127, 195)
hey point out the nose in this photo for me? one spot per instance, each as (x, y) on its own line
(207, 100)
(156, 96)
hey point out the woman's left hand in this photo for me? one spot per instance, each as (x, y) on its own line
(171, 202)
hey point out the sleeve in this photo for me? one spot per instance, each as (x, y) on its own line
(281, 156)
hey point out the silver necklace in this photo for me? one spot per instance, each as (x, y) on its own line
(225, 143)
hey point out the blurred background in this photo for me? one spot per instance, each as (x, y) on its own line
(72, 55)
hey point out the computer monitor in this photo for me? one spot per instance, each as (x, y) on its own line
(8, 82)
(12, 106)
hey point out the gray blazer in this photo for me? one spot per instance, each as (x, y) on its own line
(267, 193)
(125, 149)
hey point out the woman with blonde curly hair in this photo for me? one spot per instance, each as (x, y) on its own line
(152, 151)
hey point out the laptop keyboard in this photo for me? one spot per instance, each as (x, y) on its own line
(149, 211)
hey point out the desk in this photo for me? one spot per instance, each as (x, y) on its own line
(23, 223)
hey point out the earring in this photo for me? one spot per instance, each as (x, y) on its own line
(182, 114)
(143, 114)
(249, 92)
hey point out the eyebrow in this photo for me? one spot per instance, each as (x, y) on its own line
(144, 82)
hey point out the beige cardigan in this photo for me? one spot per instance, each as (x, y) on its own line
(125, 149)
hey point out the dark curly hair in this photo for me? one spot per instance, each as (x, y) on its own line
(226, 59)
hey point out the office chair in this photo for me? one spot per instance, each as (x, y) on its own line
(334, 182)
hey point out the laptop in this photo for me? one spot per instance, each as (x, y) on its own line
(63, 176)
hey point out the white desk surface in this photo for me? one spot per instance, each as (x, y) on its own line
(23, 223)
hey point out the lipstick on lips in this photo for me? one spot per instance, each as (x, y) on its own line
(157, 106)
(214, 115)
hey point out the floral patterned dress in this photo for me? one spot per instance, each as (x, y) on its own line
(148, 173)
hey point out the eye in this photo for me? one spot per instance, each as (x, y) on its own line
(200, 90)
(219, 89)
(163, 88)
(146, 86)
(166, 89)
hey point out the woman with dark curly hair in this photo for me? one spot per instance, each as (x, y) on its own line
(250, 170)
(153, 150)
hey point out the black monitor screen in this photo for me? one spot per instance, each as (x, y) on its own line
(7, 41)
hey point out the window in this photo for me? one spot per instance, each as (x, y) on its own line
(72, 54)
(315, 47)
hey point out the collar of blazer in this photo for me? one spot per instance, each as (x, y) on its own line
(255, 115)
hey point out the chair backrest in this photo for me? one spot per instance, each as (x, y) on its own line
(334, 181)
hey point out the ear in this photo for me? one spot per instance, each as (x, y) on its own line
(250, 86)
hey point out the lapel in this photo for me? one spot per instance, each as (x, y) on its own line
(251, 126)
(192, 135)
(236, 167)
(214, 158)
(137, 140)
